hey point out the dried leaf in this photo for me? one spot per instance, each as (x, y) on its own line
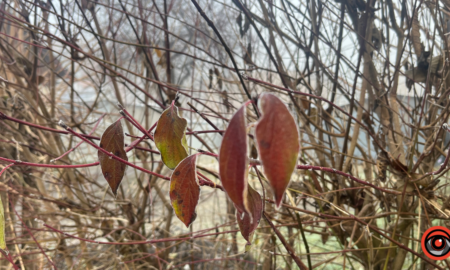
(382, 163)
(314, 115)
(219, 78)
(170, 137)
(210, 78)
(324, 235)
(40, 80)
(398, 166)
(185, 190)
(248, 55)
(2, 226)
(239, 20)
(113, 141)
(415, 34)
(163, 61)
(246, 26)
(253, 151)
(278, 143)
(159, 53)
(233, 160)
(249, 222)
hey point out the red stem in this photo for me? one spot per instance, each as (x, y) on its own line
(78, 144)
(135, 123)
(32, 236)
(136, 242)
(4, 116)
(286, 244)
(9, 259)
(331, 170)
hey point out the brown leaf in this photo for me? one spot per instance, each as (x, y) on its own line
(324, 235)
(219, 78)
(278, 143)
(210, 78)
(159, 53)
(185, 190)
(415, 34)
(233, 160)
(253, 151)
(248, 55)
(382, 163)
(40, 80)
(113, 141)
(170, 137)
(398, 166)
(249, 222)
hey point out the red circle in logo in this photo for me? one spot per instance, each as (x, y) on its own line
(436, 243)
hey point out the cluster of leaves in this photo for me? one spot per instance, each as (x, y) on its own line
(278, 147)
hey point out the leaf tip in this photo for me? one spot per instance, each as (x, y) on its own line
(191, 220)
(278, 200)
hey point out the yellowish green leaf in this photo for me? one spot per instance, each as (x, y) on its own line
(2, 226)
(170, 137)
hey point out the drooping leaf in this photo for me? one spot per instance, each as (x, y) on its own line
(158, 52)
(397, 165)
(113, 141)
(382, 163)
(324, 235)
(210, 78)
(278, 143)
(185, 190)
(249, 222)
(2, 226)
(415, 34)
(170, 137)
(233, 160)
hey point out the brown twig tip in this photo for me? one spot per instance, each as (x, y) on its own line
(177, 96)
(62, 124)
(120, 106)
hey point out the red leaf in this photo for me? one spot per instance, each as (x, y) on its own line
(185, 190)
(113, 141)
(170, 137)
(249, 222)
(278, 143)
(233, 160)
